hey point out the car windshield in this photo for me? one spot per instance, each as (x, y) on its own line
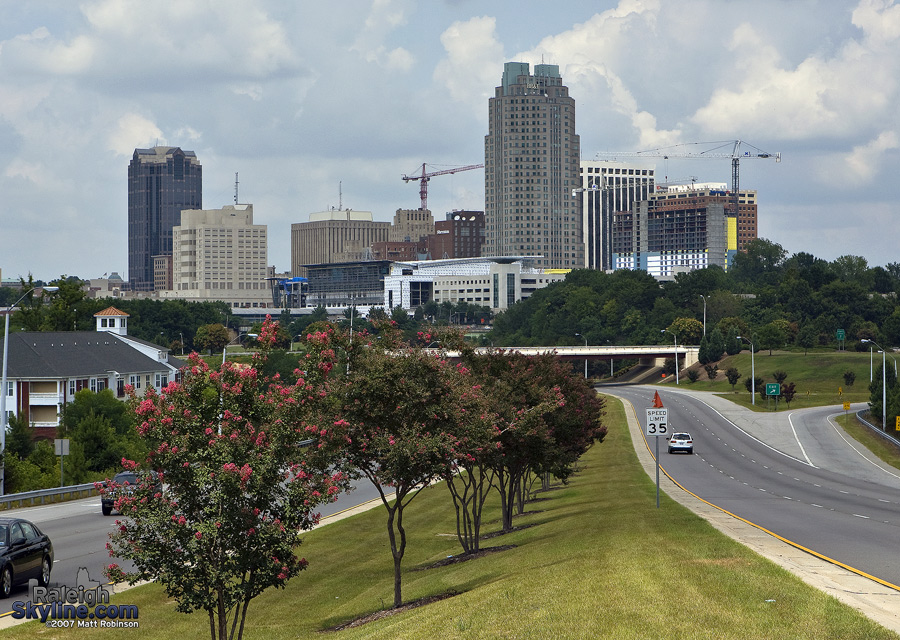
(122, 478)
(682, 436)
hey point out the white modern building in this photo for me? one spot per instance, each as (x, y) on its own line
(494, 282)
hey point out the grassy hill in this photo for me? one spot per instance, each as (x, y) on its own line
(592, 559)
(818, 376)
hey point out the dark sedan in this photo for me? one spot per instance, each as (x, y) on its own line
(25, 553)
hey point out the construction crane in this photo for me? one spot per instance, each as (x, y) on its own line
(736, 156)
(424, 177)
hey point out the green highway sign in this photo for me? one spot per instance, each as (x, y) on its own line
(841, 335)
(773, 389)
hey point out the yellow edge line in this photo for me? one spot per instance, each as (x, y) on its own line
(763, 529)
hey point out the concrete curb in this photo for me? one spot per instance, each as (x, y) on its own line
(877, 602)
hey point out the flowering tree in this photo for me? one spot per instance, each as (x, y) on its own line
(546, 418)
(237, 488)
(396, 405)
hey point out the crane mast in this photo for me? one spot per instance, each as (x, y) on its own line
(423, 177)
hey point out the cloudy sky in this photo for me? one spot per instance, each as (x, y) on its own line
(328, 104)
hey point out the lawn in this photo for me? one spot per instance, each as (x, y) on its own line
(592, 559)
(818, 376)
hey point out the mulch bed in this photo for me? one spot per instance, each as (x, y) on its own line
(386, 613)
(497, 534)
(465, 557)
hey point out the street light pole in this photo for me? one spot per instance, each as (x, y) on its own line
(752, 370)
(585, 359)
(704, 314)
(883, 383)
(676, 352)
(4, 418)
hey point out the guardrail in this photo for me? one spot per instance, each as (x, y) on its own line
(57, 494)
(860, 415)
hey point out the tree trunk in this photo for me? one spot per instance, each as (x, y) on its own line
(397, 550)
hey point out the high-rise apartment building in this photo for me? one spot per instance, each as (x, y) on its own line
(411, 225)
(531, 160)
(608, 188)
(162, 182)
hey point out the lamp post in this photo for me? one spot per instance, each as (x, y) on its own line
(236, 338)
(585, 359)
(181, 335)
(704, 314)
(870, 362)
(752, 371)
(4, 419)
(676, 352)
(883, 383)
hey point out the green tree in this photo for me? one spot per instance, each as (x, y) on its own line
(211, 337)
(712, 371)
(716, 345)
(688, 330)
(693, 375)
(733, 376)
(396, 405)
(849, 377)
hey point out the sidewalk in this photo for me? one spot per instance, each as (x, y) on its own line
(879, 603)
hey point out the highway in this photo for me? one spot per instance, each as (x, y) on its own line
(794, 473)
(79, 531)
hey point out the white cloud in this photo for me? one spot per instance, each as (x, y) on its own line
(474, 62)
(132, 130)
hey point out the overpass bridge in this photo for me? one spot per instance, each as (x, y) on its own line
(648, 354)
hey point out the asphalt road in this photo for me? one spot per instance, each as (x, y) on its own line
(807, 482)
(79, 531)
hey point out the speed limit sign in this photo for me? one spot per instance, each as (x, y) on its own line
(657, 422)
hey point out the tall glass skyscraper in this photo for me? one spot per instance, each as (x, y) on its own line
(162, 182)
(531, 167)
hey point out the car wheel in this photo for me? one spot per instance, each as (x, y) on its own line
(106, 509)
(46, 566)
(6, 580)
(670, 449)
(691, 451)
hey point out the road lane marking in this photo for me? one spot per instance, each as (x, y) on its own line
(799, 444)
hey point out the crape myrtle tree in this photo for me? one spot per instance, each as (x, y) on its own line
(397, 406)
(547, 417)
(237, 487)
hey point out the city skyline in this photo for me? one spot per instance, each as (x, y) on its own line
(330, 106)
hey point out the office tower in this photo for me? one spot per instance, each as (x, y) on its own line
(608, 188)
(221, 255)
(411, 225)
(338, 235)
(162, 182)
(531, 158)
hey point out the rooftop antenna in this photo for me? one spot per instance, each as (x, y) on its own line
(236, 187)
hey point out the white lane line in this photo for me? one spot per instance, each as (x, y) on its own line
(864, 457)
(800, 444)
(819, 506)
(859, 516)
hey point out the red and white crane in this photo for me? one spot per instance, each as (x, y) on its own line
(423, 177)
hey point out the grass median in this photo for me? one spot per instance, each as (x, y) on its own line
(591, 559)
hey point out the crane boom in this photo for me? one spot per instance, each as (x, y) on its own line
(424, 177)
(736, 156)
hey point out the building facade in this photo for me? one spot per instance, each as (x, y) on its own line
(531, 162)
(411, 225)
(162, 182)
(461, 235)
(497, 283)
(606, 189)
(47, 369)
(219, 254)
(681, 229)
(339, 235)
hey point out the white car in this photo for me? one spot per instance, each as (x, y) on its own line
(681, 442)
